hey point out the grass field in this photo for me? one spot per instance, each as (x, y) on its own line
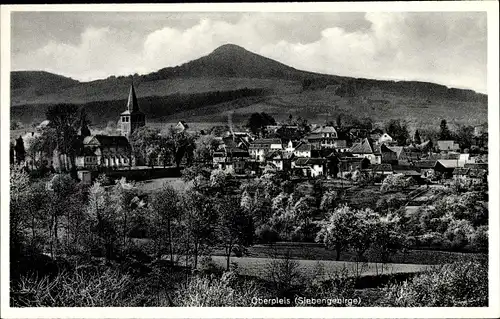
(316, 251)
(258, 267)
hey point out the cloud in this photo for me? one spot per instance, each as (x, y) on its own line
(447, 48)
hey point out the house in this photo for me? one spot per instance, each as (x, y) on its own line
(425, 167)
(365, 149)
(388, 155)
(181, 126)
(350, 163)
(446, 167)
(476, 176)
(310, 167)
(304, 149)
(401, 155)
(259, 148)
(447, 146)
(291, 145)
(105, 151)
(381, 169)
(385, 139)
(323, 137)
(341, 146)
(231, 153)
(280, 160)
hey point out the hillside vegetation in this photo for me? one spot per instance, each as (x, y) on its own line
(244, 82)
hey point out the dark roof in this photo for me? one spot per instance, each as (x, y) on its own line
(111, 140)
(132, 105)
(425, 164)
(304, 147)
(397, 149)
(301, 161)
(363, 147)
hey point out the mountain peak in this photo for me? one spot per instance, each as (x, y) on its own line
(229, 47)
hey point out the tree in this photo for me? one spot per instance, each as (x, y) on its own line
(19, 189)
(20, 151)
(335, 232)
(398, 130)
(61, 188)
(258, 121)
(199, 220)
(205, 147)
(329, 201)
(396, 182)
(145, 142)
(234, 226)
(362, 231)
(165, 206)
(183, 146)
(416, 138)
(387, 236)
(444, 132)
(465, 136)
(101, 217)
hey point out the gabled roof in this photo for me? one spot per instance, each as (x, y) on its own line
(325, 129)
(304, 147)
(449, 163)
(132, 105)
(397, 149)
(107, 140)
(363, 147)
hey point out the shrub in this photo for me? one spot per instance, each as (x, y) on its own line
(452, 285)
(216, 292)
(109, 288)
(265, 234)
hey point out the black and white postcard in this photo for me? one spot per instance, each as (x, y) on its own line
(304, 160)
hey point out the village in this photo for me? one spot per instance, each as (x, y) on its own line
(259, 200)
(324, 151)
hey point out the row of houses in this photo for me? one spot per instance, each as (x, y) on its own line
(323, 153)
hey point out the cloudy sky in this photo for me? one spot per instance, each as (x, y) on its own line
(447, 48)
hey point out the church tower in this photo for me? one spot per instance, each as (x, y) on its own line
(132, 118)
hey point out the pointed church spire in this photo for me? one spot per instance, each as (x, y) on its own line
(132, 105)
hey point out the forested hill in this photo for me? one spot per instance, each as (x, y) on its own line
(229, 68)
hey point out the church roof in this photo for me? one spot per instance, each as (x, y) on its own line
(132, 105)
(107, 140)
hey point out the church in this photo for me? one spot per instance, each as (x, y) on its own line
(113, 151)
